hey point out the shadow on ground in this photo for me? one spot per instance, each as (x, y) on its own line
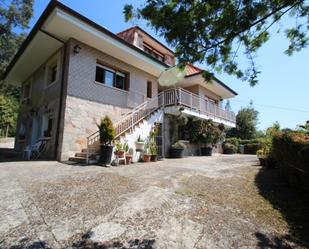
(293, 205)
(84, 242)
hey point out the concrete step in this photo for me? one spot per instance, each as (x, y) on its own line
(84, 154)
(77, 159)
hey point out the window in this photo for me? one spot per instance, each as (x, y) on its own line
(149, 89)
(26, 90)
(153, 52)
(112, 77)
(52, 71)
(47, 125)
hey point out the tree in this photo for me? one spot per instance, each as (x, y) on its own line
(8, 114)
(246, 122)
(15, 16)
(212, 32)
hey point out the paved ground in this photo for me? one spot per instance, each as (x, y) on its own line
(196, 202)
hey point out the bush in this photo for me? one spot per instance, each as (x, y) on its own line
(291, 151)
(179, 145)
(229, 148)
(107, 131)
(252, 148)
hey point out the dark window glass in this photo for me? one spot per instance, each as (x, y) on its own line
(120, 81)
(149, 89)
(53, 73)
(99, 75)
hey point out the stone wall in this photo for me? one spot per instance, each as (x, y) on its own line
(81, 118)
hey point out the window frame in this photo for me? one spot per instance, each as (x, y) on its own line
(115, 71)
(149, 83)
(52, 63)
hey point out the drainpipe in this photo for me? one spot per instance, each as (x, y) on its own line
(61, 89)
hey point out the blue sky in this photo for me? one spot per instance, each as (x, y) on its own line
(283, 83)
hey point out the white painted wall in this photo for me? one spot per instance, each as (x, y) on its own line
(143, 130)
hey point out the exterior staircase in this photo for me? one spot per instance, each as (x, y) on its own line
(125, 126)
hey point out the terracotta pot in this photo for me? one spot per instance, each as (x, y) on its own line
(120, 154)
(146, 158)
(129, 159)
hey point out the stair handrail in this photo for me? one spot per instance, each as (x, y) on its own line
(94, 137)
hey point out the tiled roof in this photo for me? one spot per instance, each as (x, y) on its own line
(190, 69)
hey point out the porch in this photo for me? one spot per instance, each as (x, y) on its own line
(179, 100)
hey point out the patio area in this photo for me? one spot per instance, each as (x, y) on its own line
(195, 202)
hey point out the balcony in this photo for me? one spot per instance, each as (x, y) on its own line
(196, 106)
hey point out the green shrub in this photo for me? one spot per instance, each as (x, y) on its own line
(107, 131)
(291, 151)
(233, 140)
(252, 148)
(229, 148)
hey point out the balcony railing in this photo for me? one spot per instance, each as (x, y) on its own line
(195, 103)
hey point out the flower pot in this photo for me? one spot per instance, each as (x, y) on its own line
(146, 158)
(106, 154)
(206, 151)
(177, 153)
(139, 146)
(119, 154)
(154, 158)
(129, 159)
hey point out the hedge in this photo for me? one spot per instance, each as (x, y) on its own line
(291, 151)
(252, 148)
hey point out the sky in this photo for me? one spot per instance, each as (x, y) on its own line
(282, 93)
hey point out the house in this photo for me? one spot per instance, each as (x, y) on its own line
(73, 72)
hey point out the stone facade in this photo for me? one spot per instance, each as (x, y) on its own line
(81, 118)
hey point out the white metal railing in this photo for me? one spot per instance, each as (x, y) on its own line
(194, 102)
(175, 96)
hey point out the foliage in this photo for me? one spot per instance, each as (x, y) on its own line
(179, 145)
(139, 139)
(229, 148)
(252, 148)
(246, 122)
(212, 32)
(8, 113)
(204, 131)
(119, 147)
(234, 141)
(153, 150)
(304, 128)
(107, 131)
(291, 151)
(15, 15)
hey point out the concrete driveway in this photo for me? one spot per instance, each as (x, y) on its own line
(196, 202)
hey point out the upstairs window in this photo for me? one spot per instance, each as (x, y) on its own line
(112, 77)
(149, 89)
(153, 52)
(52, 71)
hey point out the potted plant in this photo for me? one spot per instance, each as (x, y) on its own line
(210, 135)
(139, 144)
(261, 154)
(147, 154)
(154, 152)
(107, 135)
(229, 148)
(177, 150)
(119, 150)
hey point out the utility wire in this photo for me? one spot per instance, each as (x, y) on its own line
(271, 106)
